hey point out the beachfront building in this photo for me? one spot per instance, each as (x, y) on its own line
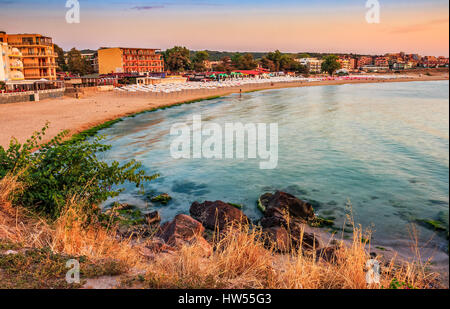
(38, 56)
(347, 64)
(364, 61)
(11, 65)
(381, 61)
(130, 60)
(314, 65)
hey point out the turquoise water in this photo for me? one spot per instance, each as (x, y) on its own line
(383, 147)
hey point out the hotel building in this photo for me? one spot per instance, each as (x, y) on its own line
(382, 61)
(364, 61)
(39, 58)
(130, 60)
(347, 63)
(314, 65)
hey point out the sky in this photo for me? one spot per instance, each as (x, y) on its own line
(340, 26)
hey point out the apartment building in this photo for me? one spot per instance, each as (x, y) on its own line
(11, 65)
(38, 56)
(130, 60)
(381, 61)
(314, 65)
(346, 64)
(364, 61)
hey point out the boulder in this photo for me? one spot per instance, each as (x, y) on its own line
(328, 254)
(182, 229)
(153, 218)
(218, 213)
(286, 241)
(281, 207)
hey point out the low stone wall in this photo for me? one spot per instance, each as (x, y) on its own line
(6, 98)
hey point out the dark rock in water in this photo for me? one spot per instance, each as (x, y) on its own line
(163, 199)
(153, 218)
(180, 230)
(217, 214)
(285, 241)
(280, 207)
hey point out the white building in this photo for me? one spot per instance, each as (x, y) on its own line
(314, 65)
(11, 65)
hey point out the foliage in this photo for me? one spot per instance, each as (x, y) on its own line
(43, 269)
(244, 62)
(277, 61)
(76, 64)
(162, 198)
(61, 61)
(177, 59)
(331, 64)
(199, 61)
(58, 171)
(2, 85)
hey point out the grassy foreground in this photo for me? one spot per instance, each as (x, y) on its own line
(240, 259)
(49, 215)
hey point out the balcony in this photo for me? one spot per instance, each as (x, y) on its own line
(30, 44)
(39, 55)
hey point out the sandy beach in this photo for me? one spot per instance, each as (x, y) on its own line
(20, 120)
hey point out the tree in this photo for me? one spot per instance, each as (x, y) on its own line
(199, 61)
(244, 62)
(225, 65)
(60, 61)
(331, 64)
(178, 59)
(299, 68)
(275, 57)
(303, 55)
(267, 64)
(77, 64)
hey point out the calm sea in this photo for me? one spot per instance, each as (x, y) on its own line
(384, 148)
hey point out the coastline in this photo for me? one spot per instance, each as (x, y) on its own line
(87, 115)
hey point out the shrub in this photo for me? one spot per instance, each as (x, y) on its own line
(55, 171)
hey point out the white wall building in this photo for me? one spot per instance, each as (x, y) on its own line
(314, 65)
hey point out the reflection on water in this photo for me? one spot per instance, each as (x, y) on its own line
(384, 147)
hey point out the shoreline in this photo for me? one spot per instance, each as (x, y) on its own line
(86, 116)
(143, 104)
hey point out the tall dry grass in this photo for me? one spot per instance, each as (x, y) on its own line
(71, 234)
(240, 258)
(242, 261)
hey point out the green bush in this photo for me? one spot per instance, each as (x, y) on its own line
(54, 172)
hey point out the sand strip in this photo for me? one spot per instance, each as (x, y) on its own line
(20, 120)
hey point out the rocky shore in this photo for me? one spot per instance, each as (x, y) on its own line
(287, 225)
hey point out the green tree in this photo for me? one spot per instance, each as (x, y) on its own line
(76, 63)
(61, 60)
(199, 61)
(331, 64)
(303, 55)
(59, 170)
(178, 59)
(267, 64)
(275, 57)
(246, 62)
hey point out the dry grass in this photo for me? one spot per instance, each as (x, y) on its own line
(68, 235)
(240, 259)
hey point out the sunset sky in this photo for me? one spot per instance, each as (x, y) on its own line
(411, 26)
